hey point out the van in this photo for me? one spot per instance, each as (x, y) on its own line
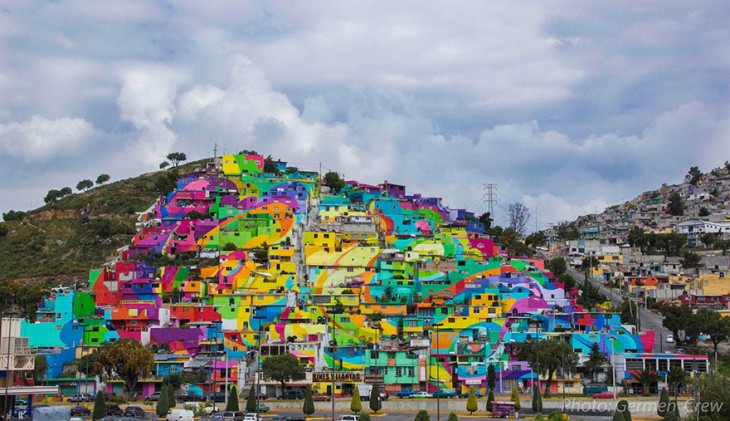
(592, 389)
(180, 415)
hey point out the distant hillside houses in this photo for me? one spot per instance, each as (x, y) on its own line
(238, 264)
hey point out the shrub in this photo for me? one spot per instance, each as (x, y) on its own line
(251, 400)
(623, 407)
(356, 404)
(364, 417)
(453, 417)
(233, 400)
(471, 401)
(422, 415)
(516, 398)
(490, 401)
(163, 405)
(99, 407)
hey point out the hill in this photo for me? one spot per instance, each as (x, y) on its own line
(62, 240)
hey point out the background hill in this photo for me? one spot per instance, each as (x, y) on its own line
(61, 241)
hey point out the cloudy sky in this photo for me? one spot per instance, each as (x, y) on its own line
(567, 106)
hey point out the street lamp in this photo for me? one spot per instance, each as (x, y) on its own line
(258, 356)
(613, 366)
(333, 347)
(438, 376)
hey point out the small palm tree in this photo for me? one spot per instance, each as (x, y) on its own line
(646, 377)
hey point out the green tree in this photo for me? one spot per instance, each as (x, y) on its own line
(52, 196)
(270, 165)
(676, 318)
(171, 401)
(127, 359)
(334, 182)
(623, 407)
(471, 401)
(250, 401)
(704, 212)
(539, 417)
(486, 219)
(646, 377)
(693, 175)
(691, 260)
(515, 397)
(233, 405)
(617, 416)
(710, 322)
(629, 312)
(452, 417)
(66, 191)
(355, 403)
(675, 377)
(375, 403)
(102, 178)
(99, 407)
(675, 206)
(176, 158)
(283, 368)
(548, 356)
(491, 377)
(595, 360)
(708, 239)
(663, 405)
(558, 266)
(84, 185)
(636, 238)
(13, 215)
(164, 165)
(308, 407)
(422, 415)
(490, 400)
(536, 399)
(712, 401)
(163, 404)
(39, 369)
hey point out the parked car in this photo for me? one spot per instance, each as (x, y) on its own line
(348, 418)
(135, 412)
(604, 395)
(405, 394)
(670, 338)
(592, 389)
(443, 394)
(262, 396)
(20, 401)
(679, 350)
(252, 417)
(292, 394)
(262, 408)
(320, 397)
(80, 410)
(111, 418)
(232, 416)
(114, 410)
(180, 415)
(83, 397)
(190, 397)
(477, 393)
(153, 397)
(420, 395)
(217, 397)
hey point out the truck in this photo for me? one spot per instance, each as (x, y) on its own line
(51, 413)
(366, 389)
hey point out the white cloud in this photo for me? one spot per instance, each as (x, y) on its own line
(40, 140)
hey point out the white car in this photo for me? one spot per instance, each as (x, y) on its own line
(348, 418)
(252, 417)
(421, 395)
(670, 339)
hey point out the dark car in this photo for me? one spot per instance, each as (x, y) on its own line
(292, 394)
(80, 411)
(405, 393)
(262, 396)
(477, 393)
(114, 410)
(190, 397)
(217, 397)
(444, 394)
(135, 412)
(83, 397)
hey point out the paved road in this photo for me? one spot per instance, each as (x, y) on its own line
(409, 416)
(648, 320)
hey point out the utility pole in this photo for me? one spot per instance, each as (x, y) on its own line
(490, 197)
